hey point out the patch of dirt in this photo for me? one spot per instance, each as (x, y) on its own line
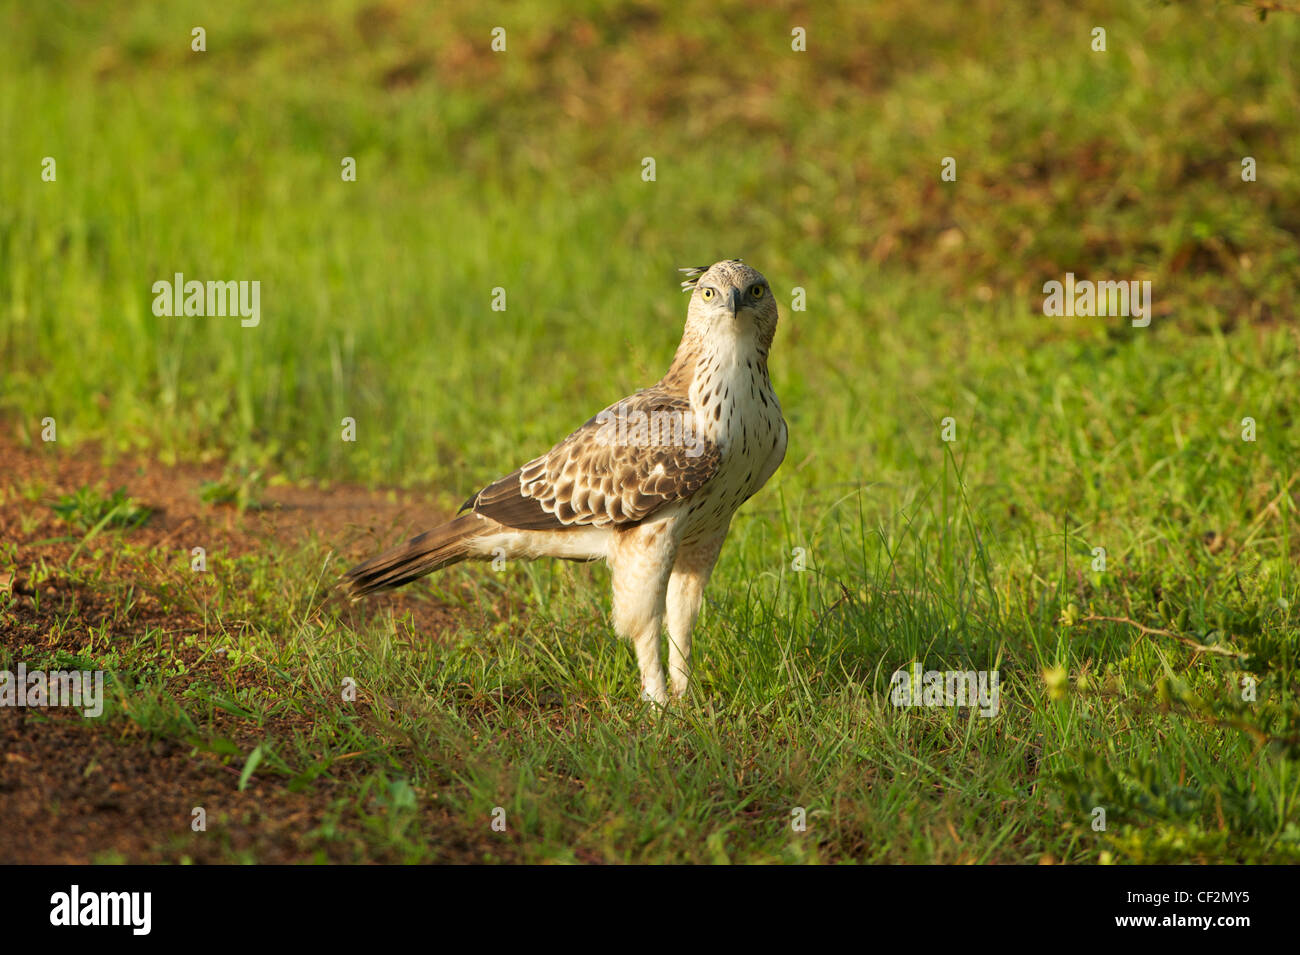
(286, 513)
(71, 792)
(356, 522)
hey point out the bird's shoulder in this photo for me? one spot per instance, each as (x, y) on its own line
(624, 464)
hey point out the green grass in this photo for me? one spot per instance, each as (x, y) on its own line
(239, 490)
(89, 509)
(522, 171)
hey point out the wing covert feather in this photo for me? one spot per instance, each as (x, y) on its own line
(619, 468)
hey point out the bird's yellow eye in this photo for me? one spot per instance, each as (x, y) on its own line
(706, 294)
(756, 291)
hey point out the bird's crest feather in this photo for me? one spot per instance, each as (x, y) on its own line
(693, 274)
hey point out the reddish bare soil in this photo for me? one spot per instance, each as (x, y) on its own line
(71, 792)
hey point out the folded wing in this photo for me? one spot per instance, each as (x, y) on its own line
(619, 468)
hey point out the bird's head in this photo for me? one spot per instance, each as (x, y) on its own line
(730, 298)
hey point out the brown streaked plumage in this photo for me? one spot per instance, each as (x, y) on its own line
(650, 484)
(591, 477)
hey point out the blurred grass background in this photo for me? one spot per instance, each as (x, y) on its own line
(522, 170)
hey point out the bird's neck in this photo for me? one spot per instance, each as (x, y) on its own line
(713, 358)
(716, 376)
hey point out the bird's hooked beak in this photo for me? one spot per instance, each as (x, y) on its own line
(733, 302)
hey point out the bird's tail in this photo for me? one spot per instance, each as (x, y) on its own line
(432, 550)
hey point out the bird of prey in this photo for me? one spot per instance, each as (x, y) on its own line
(649, 485)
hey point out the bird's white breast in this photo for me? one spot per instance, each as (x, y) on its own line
(736, 408)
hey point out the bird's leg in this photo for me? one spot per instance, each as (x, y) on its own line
(641, 561)
(685, 594)
(652, 670)
(685, 591)
(637, 619)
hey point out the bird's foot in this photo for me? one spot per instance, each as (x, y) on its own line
(656, 695)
